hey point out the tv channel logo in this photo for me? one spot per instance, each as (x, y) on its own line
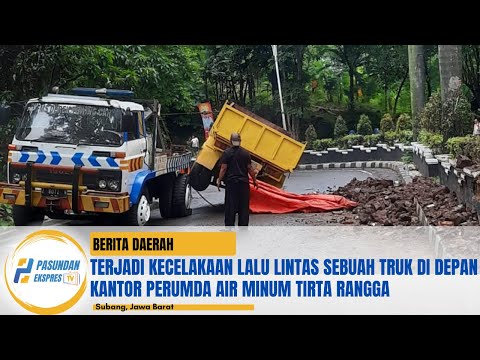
(47, 272)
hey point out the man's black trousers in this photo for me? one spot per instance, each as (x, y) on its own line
(237, 199)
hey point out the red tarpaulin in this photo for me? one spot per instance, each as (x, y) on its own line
(268, 199)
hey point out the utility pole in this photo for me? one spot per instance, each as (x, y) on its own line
(274, 49)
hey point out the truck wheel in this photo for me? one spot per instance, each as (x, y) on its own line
(182, 196)
(139, 214)
(165, 197)
(27, 216)
(37, 216)
(200, 177)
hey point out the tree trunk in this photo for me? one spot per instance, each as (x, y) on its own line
(399, 92)
(450, 65)
(385, 94)
(416, 69)
(205, 79)
(351, 90)
(428, 80)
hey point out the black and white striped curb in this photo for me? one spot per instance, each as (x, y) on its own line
(366, 149)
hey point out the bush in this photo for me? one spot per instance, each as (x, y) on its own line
(457, 121)
(433, 140)
(348, 141)
(472, 149)
(456, 145)
(390, 137)
(386, 124)
(6, 215)
(407, 157)
(340, 127)
(371, 140)
(431, 116)
(364, 126)
(405, 136)
(310, 136)
(323, 144)
(404, 122)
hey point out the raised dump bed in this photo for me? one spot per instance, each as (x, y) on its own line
(273, 150)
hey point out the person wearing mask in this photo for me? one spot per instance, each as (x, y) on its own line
(235, 166)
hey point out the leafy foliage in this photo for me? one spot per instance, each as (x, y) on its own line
(310, 135)
(340, 127)
(6, 215)
(431, 116)
(405, 136)
(323, 144)
(364, 126)
(390, 137)
(433, 140)
(371, 140)
(456, 145)
(348, 141)
(404, 122)
(472, 149)
(386, 123)
(457, 117)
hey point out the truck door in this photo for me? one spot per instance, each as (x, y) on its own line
(137, 141)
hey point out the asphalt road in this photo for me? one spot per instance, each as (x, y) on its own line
(208, 205)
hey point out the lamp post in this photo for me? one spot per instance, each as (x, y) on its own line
(274, 49)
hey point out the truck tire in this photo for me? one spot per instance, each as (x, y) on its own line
(139, 214)
(182, 196)
(165, 198)
(200, 177)
(27, 216)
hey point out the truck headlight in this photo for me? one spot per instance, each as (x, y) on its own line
(102, 184)
(113, 184)
(16, 177)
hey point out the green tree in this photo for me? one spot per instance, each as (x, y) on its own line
(450, 65)
(416, 64)
(389, 66)
(386, 123)
(351, 57)
(340, 129)
(310, 135)
(364, 126)
(471, 72)
(404, 122)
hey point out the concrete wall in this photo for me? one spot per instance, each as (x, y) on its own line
(381, 152)
(463, 182)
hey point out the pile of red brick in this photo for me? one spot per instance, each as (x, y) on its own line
(383, 203)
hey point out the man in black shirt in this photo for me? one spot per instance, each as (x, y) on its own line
(236, 164)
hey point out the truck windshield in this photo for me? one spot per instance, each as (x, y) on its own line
(71, 124)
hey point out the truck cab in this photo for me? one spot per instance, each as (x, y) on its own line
(94, 153)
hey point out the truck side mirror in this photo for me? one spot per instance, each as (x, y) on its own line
(4, 115)
(128, 122)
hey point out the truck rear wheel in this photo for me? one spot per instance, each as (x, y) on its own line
(139, 214)
(166, 197)
(200, 177)
(182, 196)
(27, 216)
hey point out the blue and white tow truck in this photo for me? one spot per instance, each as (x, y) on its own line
(94, 153)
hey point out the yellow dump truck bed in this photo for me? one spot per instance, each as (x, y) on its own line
(259, 137)
(272, 148)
